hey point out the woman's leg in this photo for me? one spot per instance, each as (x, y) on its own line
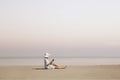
(51, 62)
(58, 67)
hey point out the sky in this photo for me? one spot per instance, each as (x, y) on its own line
(81, 28)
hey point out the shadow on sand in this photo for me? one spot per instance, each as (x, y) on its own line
(39, 69)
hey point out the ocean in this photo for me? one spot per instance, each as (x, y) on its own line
(61, 61)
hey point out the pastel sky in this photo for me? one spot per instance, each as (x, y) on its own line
(60, 27)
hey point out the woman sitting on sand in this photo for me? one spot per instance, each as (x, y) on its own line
(49, 64)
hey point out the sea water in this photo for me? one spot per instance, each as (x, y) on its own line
(60, 61)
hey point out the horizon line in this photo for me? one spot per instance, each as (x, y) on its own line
(60, 57)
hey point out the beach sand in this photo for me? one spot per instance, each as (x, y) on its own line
(101, 72)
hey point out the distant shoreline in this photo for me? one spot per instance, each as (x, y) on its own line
(56, 57)
(61, 61)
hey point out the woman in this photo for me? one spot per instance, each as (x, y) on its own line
(49, 64)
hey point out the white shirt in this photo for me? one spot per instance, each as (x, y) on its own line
(46, 62)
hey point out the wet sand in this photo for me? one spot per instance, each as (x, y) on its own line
(101, 72)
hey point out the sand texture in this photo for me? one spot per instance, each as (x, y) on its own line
(109, 72)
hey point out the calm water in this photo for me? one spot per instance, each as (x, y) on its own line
(61, 61)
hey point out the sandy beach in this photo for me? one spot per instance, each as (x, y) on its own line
(100, 72)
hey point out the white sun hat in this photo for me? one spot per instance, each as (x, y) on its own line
(46, 55)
